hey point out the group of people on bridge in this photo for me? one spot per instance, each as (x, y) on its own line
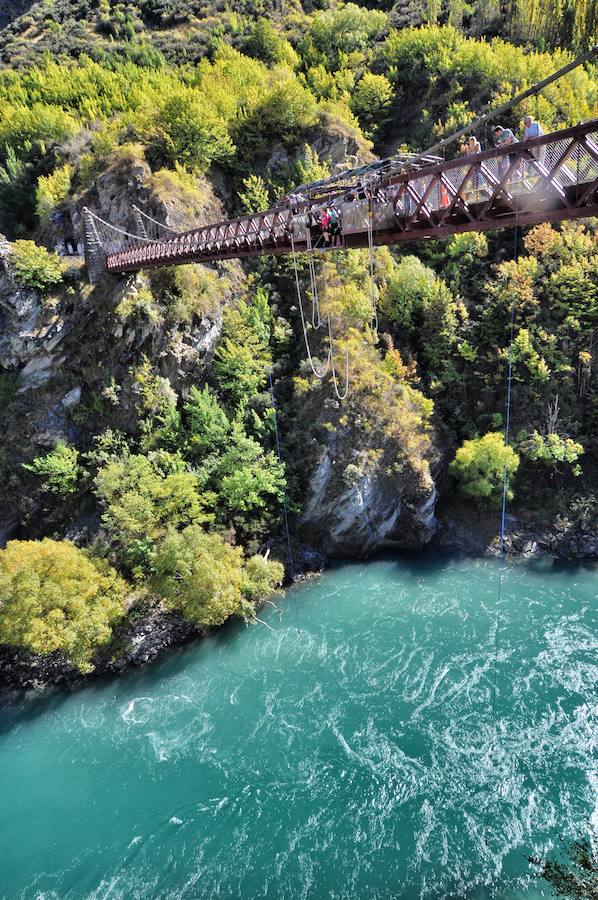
(504, 137)
(324, 222)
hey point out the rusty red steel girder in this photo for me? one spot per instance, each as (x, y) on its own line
(547, 179)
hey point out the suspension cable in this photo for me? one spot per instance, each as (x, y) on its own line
(108, 225)
(155, 221)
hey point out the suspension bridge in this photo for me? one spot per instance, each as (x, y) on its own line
(547, 179)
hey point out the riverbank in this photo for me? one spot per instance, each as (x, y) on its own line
(156, 630)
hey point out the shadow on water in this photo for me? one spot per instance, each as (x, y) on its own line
(20, 707)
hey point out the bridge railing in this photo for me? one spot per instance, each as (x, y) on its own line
(554, 176)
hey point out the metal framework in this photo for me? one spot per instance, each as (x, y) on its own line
(547, 179)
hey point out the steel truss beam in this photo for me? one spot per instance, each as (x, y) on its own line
(547, 179)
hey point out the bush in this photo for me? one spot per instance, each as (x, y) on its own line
(203, 577)
(35, 267)
(254, 198)
(144, 496)
(187, 130)
(55, 597)
(32, 130)
(266, 44)
(371, 98)
(551, 450)
(59, 468)
(243, 353)
(51, 191)
(479, 467)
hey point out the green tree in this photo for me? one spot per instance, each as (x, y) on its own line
(267, 44)
(250, 479)
(255, 196)
(35, 267)
(52, 190)
(203, 577)
(480, 464)
(243, 353)
(423, 310)
(54, 597)
(341, 34)
(59, 468)
(370, 101)
(206, 424)
(16, 189)
(551, 450)
(186, 129)
(144, 495)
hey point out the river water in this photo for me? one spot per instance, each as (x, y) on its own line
(353, 758)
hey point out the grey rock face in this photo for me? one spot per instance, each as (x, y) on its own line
(29, 333)
(372, 512)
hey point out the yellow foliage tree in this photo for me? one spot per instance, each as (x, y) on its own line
(55, 597)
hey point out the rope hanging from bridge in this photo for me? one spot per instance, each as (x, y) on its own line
(503, 521)
(374, 318)
(329, 365)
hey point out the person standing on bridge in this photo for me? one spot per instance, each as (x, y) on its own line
(531, 130)
(504, 137)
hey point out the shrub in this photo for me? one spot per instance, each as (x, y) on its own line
(266, 44)
(243, 352)
(59, 468)
(479, 467)
(371, 98)
(8, 388)
(35, 267)
(551, 450)
(144, 495)
(187, 130)
(254, 198)
(55, 597)
(51, 191)
(203, 577)
(34, 129)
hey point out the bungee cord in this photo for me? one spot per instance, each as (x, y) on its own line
(329, 365)
(340, 396)
(284, 499)
(316, 319)
(319, 373)
(503, 519)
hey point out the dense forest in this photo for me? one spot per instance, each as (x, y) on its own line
(138, 452)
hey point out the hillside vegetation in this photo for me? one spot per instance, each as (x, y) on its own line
(137, 415)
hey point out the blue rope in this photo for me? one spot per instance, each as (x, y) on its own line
(503, 518)
(284, 499)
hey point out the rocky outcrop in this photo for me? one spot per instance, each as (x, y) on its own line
(475, 531)
(30, 332)
(354, 511)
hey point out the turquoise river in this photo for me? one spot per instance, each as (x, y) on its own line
(352, 758)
